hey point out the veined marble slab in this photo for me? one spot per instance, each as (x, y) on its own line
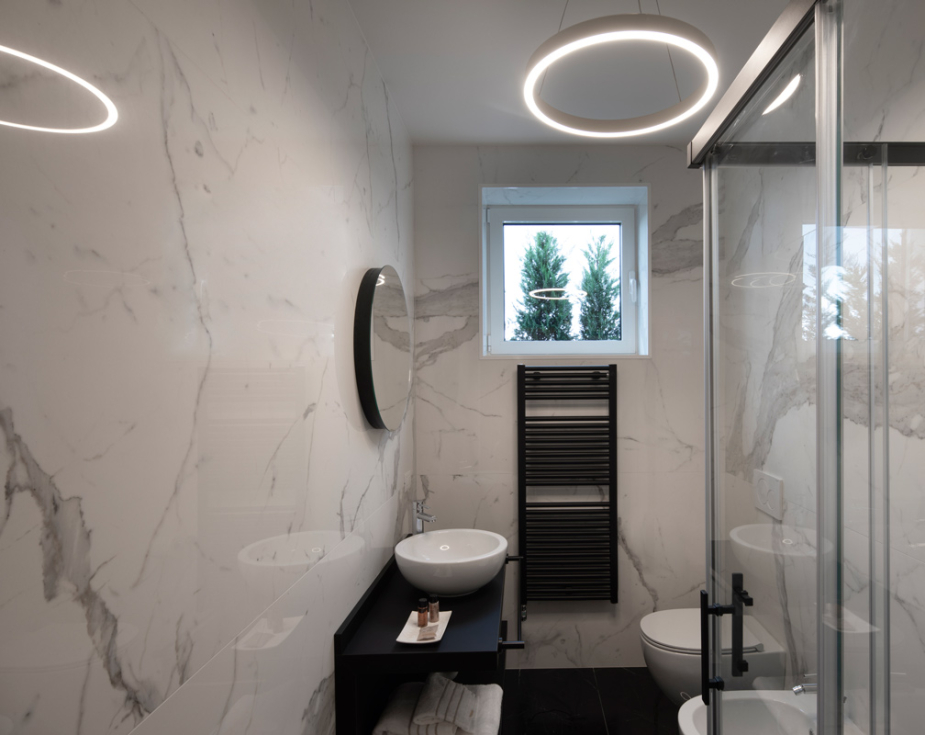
(176, 368)
(465, 420)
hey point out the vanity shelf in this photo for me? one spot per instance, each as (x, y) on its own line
(369, 663)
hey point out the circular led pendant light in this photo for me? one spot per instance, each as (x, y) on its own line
(112, 114)
(613, 29)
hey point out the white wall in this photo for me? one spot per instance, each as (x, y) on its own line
(465, 420)
(176, 376)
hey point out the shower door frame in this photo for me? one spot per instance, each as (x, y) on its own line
(826, 153)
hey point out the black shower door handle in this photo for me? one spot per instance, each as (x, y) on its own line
(740, 600)
(706, 609)
(704, 648)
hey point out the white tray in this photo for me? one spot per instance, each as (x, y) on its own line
(409, 633)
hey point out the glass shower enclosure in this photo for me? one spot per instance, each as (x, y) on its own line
(814, 271)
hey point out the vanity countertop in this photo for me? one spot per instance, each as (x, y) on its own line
(367, 636)
(369, 663)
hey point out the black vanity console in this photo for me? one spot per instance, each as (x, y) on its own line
(369, 663)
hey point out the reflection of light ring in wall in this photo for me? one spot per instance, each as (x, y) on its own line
(112, 114)
(105, 279)
(770, 279)
(566, 294)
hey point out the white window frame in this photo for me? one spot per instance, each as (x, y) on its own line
(494, 344)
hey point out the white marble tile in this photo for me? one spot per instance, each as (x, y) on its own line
(907, 641)
(465, 421)
(660, 566)
(884, 82)
(176, 356)
(277, 674)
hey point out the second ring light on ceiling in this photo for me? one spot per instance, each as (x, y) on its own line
(112, 114)
(613, 29)
(563, 294)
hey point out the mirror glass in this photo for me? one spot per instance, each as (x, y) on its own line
(382, 348)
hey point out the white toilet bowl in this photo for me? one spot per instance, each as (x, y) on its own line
(671, 648)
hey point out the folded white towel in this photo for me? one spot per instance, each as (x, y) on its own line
(443, 700)
(488, 717)
(396, 718)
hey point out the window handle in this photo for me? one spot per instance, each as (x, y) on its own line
(633, 286)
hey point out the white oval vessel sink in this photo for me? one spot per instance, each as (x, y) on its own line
(455, 561)
(773, 538)
(270, 566)
(294, 552)
(766, 549)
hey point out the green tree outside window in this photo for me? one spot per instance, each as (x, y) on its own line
(600, 314)
(543, 319)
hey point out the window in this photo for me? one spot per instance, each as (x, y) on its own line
(562, 273)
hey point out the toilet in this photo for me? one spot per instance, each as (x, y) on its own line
(671, 648)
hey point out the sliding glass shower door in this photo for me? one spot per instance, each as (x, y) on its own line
(814, 191)
(761, 193)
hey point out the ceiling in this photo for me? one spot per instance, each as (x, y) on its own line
(455, 68)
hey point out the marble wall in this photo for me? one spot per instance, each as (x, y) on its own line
(176, 377)
(465, 407)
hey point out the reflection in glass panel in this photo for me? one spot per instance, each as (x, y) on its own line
(390, 348)
(764, 388)
(562, 282)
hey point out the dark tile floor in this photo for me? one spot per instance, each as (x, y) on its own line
(585, 702)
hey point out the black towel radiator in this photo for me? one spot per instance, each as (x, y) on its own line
(568, 549)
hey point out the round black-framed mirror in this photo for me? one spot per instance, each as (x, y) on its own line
(382, 348)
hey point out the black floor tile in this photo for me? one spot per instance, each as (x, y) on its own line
(511, 720)
(559, 702)
(633, 703)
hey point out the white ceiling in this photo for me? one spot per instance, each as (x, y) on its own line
(455, 68)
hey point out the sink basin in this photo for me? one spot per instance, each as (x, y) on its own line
(773, 538)
(271, 566)
(767, 549)
(452, 562)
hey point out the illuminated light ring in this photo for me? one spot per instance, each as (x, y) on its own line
(112, 114)
(785, 95)
(611, 29)
(565, 294)
(771, 279)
